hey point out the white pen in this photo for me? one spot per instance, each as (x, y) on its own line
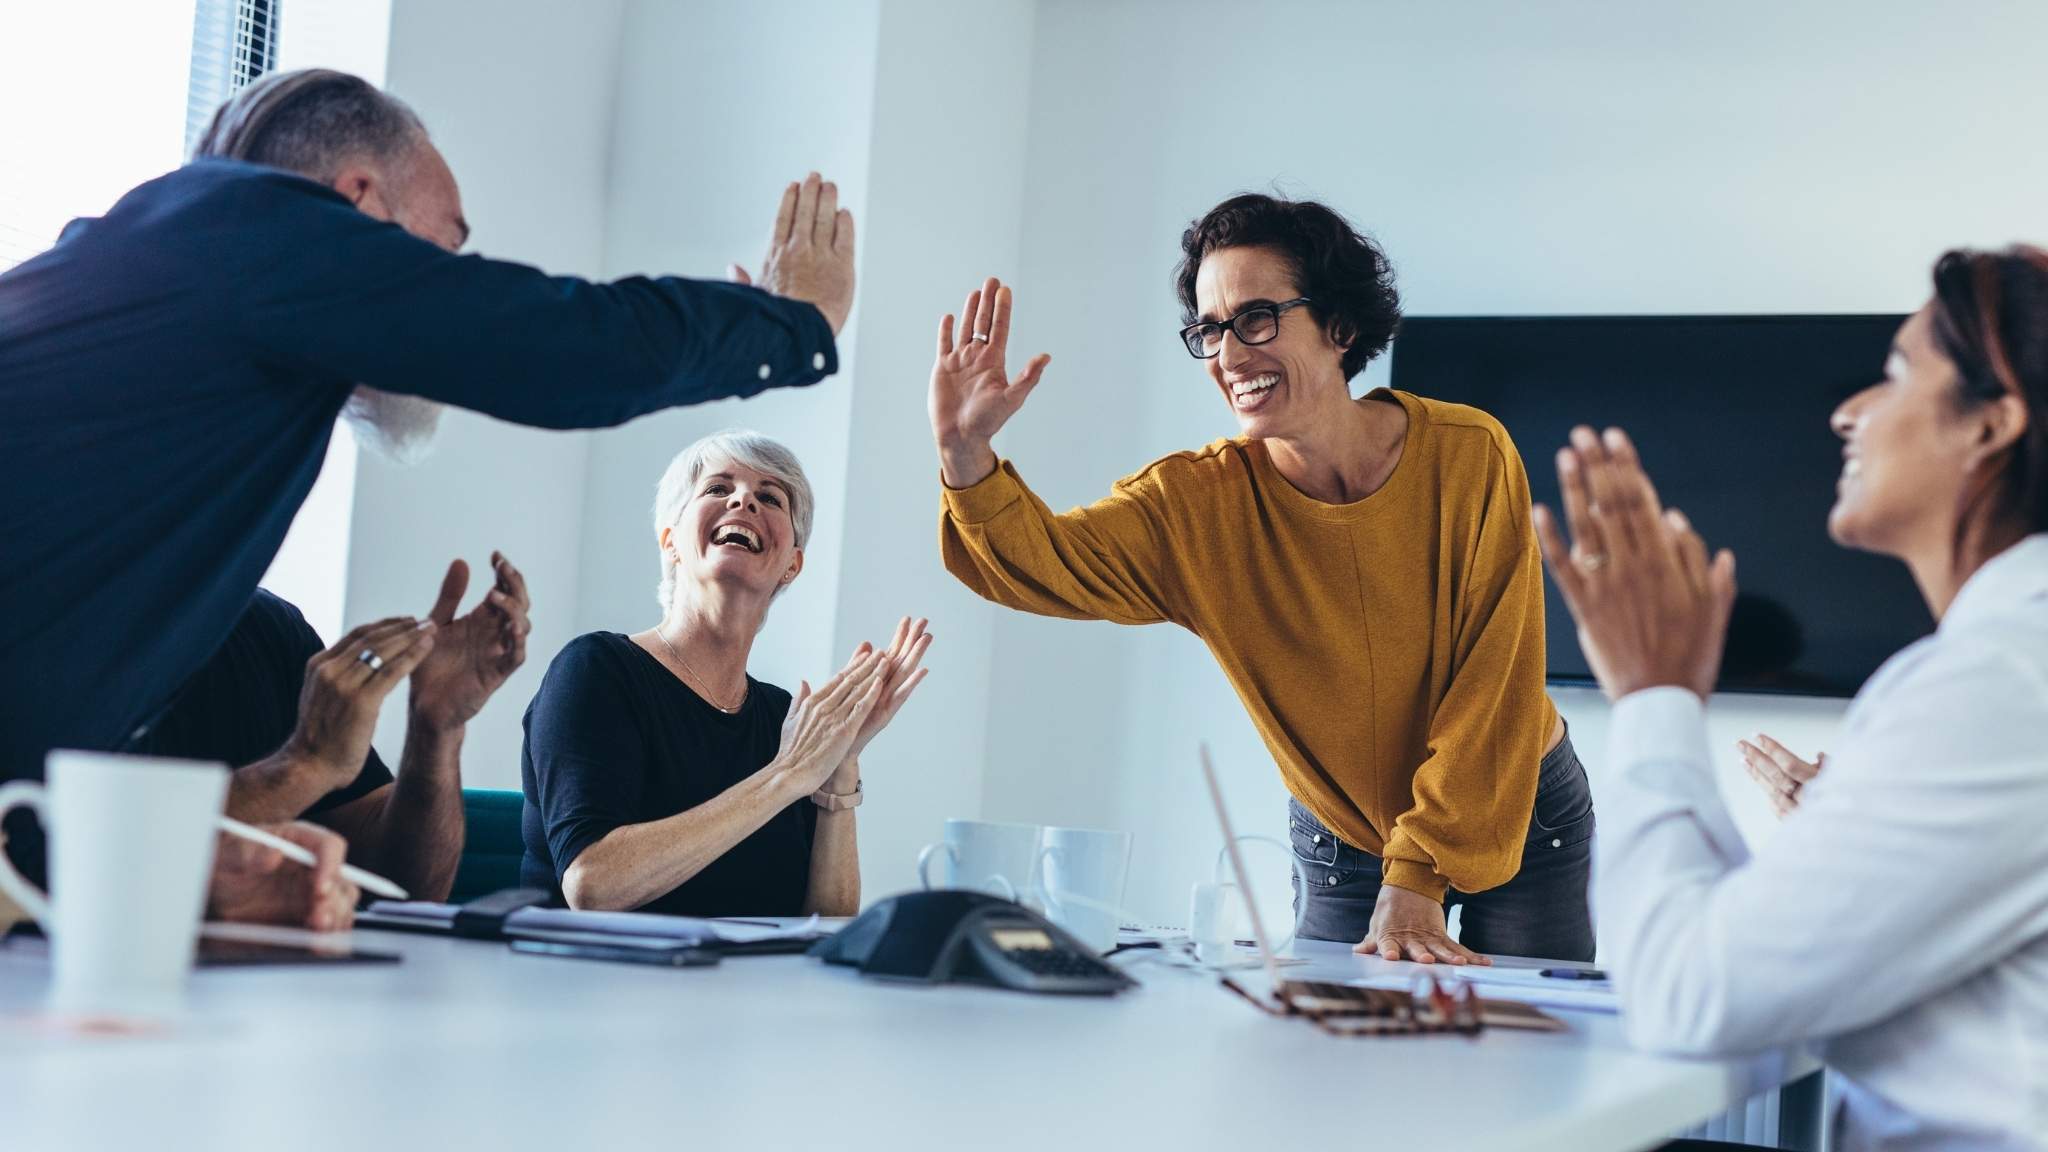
(367, 881)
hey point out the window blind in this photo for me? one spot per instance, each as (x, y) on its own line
(233, 42)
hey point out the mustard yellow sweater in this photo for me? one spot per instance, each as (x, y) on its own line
(1390, 651)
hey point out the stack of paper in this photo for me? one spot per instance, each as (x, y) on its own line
(566, 925)
(569, 926)
(1521, 985)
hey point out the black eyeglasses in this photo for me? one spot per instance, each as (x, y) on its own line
(1255, 325)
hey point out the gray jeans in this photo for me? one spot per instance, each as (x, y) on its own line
(1541, 912)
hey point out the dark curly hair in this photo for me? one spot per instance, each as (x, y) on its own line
(1991, 318)
(1347, 278)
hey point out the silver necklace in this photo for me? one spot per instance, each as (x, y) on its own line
(699, 677)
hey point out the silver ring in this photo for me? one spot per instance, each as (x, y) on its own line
(981, 337)
(1590, 561)
(369, 656)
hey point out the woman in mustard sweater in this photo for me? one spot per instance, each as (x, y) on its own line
(1363, 570)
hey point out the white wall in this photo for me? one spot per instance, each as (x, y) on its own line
(946, 188)
(711, 123)
(517, 93)
(1565, 157)
(349, 35)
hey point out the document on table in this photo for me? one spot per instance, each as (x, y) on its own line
(634, 927)
(663, 929)
(1129, 934)
(1521, 985)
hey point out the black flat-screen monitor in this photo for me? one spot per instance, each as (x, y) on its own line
(1730, 414)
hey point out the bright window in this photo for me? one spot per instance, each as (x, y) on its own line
(76, 138)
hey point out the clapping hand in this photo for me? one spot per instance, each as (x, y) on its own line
(972, 394)
(473, 653)
(810, 253)
(819, 731)
(898, 676)
(1652, 609)
(902, 676)
(1782, 774)
(343, 690)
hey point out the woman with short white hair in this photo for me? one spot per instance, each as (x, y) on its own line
(658, 774)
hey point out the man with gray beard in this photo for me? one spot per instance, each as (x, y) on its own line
(170, 374)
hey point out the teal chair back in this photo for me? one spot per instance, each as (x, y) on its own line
(492, 843)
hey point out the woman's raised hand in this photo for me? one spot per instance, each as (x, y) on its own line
(819, 732)
(972, 393)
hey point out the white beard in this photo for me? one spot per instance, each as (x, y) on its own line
(396, 426)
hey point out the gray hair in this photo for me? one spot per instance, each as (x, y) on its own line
(312, 122)
(741, 446)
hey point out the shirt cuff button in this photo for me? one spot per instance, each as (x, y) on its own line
(765, 372)
(817, 361)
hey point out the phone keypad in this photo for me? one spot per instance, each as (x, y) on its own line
(1056, 962)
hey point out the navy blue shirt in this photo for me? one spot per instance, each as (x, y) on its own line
(243, 703)
(170, 374)
(614, 738)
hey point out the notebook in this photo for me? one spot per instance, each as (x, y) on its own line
(567, 925)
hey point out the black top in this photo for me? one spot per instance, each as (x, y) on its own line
(614, 738)
(175, 367)
(244, 701)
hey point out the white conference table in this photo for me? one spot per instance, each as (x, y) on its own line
(469, 1045)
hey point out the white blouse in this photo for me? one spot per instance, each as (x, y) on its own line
(1900, 915)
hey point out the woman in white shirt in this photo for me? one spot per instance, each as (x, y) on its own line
(1900, 915)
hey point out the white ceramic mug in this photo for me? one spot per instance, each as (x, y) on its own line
(1079, 874)
(994, 858)
(130, 846)
(1213, 911)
